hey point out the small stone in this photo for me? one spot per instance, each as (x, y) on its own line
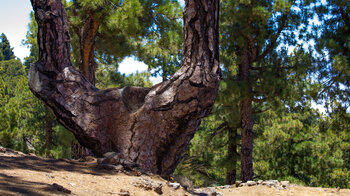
(284, 184)
(214, 193)
(158, 188)
(251, 183)
(174, 185)
(238, 183)
(2, 149)
(123, 192)
(338, 189)
(61, 188)
(242, 184)
(72, 184)
(148, 185)
(260, 181)
(270, 183)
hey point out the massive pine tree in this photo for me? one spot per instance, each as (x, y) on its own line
(148, 126)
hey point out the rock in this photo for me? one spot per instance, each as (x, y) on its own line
(111, 167)
(110, 154)
(158, 188)
(238, 183)
(2, 149)
(184, 181)
(87, 159)
(260, 181)
(213, 192)
(61, 188)
(270, 183)
(113, 158)
(242, 184)
(149, 185)
(128, 164)
(174, 185)
(284, 184)
(251, 183)
(123, 192)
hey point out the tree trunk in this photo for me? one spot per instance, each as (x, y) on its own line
(247, 122)
(232, 154)
(87, 35)
(148, 126)
(48, 132)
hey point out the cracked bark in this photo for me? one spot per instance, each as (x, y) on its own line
(246, 120)
(150, 127)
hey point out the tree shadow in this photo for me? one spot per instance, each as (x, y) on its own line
(11, 185)
(35, 163)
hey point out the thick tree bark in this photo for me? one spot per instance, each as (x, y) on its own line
(87, 36)
(150, 127)
(247, 122)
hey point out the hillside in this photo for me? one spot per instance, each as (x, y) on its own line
(22, 174)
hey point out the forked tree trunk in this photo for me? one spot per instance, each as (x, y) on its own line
(150, 127)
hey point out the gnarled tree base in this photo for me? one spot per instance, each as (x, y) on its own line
(149, 127)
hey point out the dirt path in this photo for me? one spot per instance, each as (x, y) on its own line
(22, 174)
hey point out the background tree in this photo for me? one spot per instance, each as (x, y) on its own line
(6, 50)
(333, 51)
(252, 32)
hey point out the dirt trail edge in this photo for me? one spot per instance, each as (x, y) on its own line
(22, 174)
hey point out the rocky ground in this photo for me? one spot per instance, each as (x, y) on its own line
(22, 174)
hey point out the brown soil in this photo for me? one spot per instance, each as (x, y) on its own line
(22, 174)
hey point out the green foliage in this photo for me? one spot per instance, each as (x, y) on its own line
(31, 42)
(108, 77)
(6, 50)
(22, 114)
(301, 146)
(333, 44)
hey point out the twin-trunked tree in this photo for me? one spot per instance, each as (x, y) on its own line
(147, 126)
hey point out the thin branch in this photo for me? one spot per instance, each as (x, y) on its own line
(270, 47)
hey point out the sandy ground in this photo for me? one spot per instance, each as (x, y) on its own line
(22, 174)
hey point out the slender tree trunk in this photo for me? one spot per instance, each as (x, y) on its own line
(232, 154)
(247, 121)
(87, 37)
(48, 132)
(148, 126)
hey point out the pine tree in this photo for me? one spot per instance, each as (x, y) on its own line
(333, 50)
(251, 33)
(7, 51)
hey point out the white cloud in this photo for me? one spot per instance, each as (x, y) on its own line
(130, 65)
(182, 3)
